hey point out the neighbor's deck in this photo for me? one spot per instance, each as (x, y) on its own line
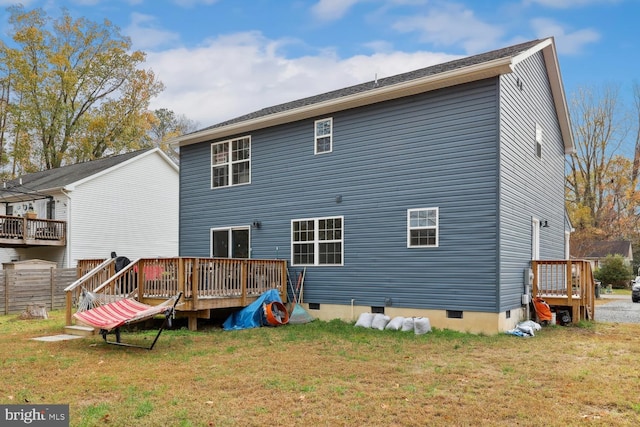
(206, 283)
(21, 232)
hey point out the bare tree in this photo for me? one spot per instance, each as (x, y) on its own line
(598, 134)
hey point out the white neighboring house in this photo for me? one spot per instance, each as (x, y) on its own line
(126, 203)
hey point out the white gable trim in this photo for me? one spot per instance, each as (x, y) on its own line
(157, 150)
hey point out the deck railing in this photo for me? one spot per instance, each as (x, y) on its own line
(199, 279)
(23, 230)
(565, 283)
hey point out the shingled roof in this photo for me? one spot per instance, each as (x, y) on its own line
(595, 249)
(33, 184)
(384, 82)
(476, 67)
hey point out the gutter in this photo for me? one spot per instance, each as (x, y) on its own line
(65, 191)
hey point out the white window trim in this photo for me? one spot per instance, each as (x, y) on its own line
(230, 162)
(230, 241)
(436, 227)
(316, 136)
(535, 238)
(538, 140)
(316, 242)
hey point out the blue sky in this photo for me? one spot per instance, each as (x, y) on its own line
(219, 59)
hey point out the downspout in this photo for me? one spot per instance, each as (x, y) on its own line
(68, 237)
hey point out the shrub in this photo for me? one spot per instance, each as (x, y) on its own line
(614, 271)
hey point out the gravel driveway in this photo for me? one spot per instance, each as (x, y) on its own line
(619, 309)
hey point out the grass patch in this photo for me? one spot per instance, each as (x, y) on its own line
(328, 373)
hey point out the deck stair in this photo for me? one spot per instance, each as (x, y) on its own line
(566, 284)
(79, 330)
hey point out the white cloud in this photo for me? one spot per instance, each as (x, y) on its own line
(331, 10)
(7, 3)
(568, 43)
(144, 35)
(237, 74)
(452, 24)
(567, 4)
(192, 3)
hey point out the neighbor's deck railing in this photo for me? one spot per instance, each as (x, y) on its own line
(199, 279)
(565, 282)
(16, 230)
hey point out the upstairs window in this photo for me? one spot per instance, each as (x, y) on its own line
(323, 136)
(317, 241)
(422, 228)
(538, 141)
(231, 162)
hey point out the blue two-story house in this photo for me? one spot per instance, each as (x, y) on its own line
(422, 194)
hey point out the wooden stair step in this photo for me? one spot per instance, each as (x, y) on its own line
(83, 331)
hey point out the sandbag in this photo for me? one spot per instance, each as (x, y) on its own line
(365, 320)
(421, 325)
(395, 324)
(407, 324)
(379, 321)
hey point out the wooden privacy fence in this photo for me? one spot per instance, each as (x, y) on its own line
(20, 288)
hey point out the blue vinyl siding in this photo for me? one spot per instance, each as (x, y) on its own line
(437, 149)
(529, 186)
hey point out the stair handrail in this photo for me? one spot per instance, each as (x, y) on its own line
(126, 269)
(89, 274)
(69, 290)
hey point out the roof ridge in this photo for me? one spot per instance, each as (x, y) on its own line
(382, 82)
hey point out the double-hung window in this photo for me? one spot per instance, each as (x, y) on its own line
(231, 162)
(422, 228)
(317, 241)
(323, 136)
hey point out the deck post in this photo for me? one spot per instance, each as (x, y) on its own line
(243, 280)
(569, 283)
(283, 281)
(140, 279)
(195, 268)
(534, 283)
(193, 320)
(67, 314)
(181, 277)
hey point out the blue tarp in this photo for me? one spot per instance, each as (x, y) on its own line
(252, 316)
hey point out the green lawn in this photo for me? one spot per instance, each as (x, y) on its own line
(328, 374)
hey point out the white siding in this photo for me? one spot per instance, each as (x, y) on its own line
(132, 210)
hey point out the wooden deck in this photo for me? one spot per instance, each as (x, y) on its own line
(22, 232)
(567, 284)
(206, 283)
